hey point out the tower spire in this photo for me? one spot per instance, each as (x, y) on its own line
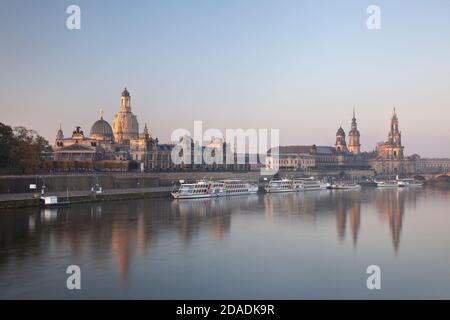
(354, 146)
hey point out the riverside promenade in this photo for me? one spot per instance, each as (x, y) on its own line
(18, 200)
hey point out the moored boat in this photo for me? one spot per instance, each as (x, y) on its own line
(208, 189)
(52, 201)
(402, 183)
(309, 184)
(279, 186)
(345, 186)
(387, 184)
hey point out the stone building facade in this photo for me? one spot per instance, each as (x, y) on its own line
(291, 161)
(78, 147)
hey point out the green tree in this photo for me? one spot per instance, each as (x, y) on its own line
(7, 141)
(28, 148)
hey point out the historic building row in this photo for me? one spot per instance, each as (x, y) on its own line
(388, 157)
(123, 142)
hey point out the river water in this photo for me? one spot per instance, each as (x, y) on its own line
(266, 246)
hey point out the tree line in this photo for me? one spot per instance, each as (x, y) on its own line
(21, 148)
(70, 165)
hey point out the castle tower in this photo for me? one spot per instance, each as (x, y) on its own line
(341, 145)
(353, 144)
(125, 125)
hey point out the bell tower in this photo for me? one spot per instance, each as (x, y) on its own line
(395, 136)
(354, 145)
(393, 148)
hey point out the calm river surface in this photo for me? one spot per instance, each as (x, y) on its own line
(267, 246)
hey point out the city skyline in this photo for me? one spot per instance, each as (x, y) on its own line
(143, 129)
(298, 66)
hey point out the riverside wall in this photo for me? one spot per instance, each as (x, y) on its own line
(82, 182)
(116, 196)
(125, 180)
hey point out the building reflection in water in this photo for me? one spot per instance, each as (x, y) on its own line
(212, 214)
(348, 208)
(391, 205)
(310, 204)
(304, 204)
(122, 230)
(116, 230)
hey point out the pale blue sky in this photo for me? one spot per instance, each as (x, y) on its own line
(300, 66)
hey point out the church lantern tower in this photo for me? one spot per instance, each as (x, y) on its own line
(354, 145)
(125, 125)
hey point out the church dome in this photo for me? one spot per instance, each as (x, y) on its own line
(101, 130)
(340, 132)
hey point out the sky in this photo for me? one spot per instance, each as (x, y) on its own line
(297, 66)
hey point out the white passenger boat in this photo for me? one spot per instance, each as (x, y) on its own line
(402, 183)
(295, 185)
(208, 189)
(387, 184)
(279, 186)
(346, 186)
(309, 184)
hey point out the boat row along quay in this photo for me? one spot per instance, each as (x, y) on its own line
(182, 190)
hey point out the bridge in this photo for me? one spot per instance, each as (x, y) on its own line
(431, 176)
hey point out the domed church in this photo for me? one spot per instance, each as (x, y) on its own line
(119, 142)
